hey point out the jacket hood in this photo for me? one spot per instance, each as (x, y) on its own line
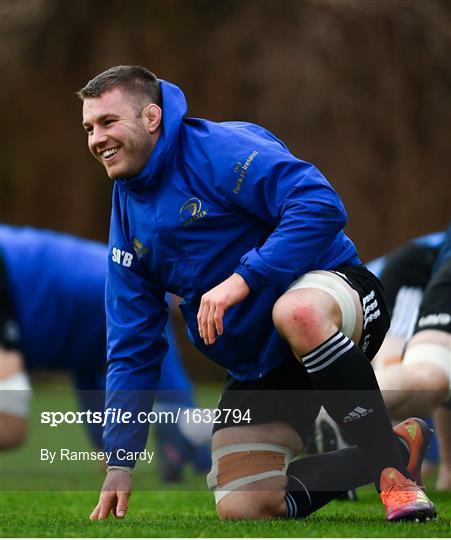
(174, 109)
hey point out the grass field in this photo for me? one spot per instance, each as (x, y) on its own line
(43, 500)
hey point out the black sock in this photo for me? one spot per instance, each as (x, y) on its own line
(348, 390)
(314, 481)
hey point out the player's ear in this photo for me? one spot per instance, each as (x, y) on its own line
(152, 115)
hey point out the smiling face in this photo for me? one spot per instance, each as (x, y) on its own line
(119, 136)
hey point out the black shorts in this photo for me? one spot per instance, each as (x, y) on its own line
(409, 266)
(376, 315)
(286, 394)
(435, 308)
(9, 328)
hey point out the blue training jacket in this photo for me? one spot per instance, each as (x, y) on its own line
(213, 199)
(57, 286)
(57, 282)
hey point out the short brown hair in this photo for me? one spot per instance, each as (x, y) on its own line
(136, 80)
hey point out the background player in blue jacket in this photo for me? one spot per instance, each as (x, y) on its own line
(223, 215)
(53, 317)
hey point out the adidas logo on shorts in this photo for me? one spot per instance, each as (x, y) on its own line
(358, 412)
(370, 309)
(435, 319)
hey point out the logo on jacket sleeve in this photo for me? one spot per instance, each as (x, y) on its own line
(191, 211)
(242, 170)
(119, 256)
(139, 248)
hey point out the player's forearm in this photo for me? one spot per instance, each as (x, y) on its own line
(130, 394)
(126, 428)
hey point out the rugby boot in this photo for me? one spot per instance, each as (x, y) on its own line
(403, 499)
(417, 435)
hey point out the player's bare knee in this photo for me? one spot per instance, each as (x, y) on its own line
(16, 440)
(427, 362)
(13, 431)
(281, 313)
(427, 388)
(296, 308)
(11, 364)
(253, 504)
(15, 394)
(305, 318)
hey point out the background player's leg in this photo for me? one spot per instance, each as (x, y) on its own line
(423, 380)
(15, 394)
(418, 386)
(390, 353)
(442, 419)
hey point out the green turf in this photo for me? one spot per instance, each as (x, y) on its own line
(55, 501)
(191, 514)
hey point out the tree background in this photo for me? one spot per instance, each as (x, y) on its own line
(361, 88)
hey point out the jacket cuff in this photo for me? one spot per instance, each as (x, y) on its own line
(128, 470)
(249, 276)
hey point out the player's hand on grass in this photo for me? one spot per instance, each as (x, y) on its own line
(114, 496)
(216, 302)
